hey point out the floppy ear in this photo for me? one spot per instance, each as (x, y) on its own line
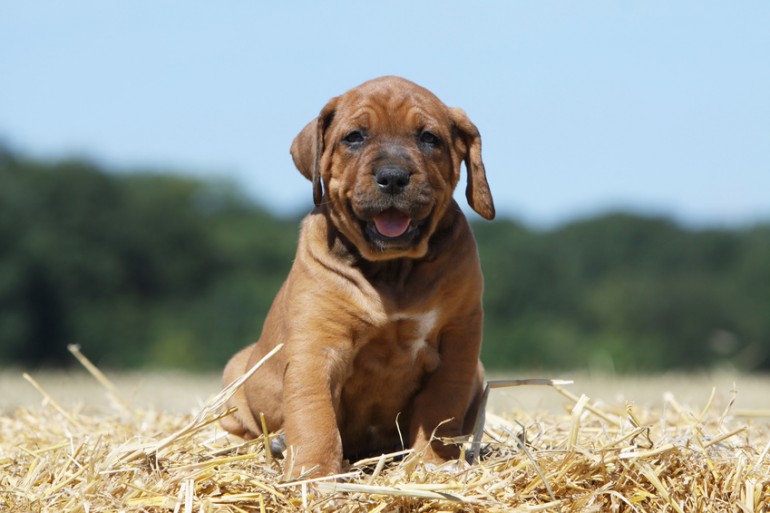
(308, 147)
(477, 192)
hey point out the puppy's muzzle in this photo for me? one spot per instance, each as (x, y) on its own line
(392, 179)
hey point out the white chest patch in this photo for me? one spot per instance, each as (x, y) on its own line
(424, 323)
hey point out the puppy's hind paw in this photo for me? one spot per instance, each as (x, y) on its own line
(278, 446)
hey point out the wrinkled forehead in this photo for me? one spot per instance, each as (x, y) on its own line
(390, 107)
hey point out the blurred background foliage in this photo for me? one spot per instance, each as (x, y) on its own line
(146, 269)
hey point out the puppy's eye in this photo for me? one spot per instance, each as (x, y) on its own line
(429, 138)
(354, 138)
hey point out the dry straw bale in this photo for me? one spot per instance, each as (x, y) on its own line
(592, 458)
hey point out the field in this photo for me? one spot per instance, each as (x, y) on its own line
(75, 442)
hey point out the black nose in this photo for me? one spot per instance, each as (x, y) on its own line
(392, 180)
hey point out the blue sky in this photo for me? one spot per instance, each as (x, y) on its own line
(654, 106)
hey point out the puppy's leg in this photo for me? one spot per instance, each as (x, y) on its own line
(241, 423)
(447, 405)
(310, 393)
(473, 409)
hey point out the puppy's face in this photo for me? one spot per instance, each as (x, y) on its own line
(385, 157)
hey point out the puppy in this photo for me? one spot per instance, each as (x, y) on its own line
(381, 312)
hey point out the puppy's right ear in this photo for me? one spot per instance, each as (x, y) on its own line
(308, 148)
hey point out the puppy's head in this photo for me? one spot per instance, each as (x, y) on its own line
(385, 158)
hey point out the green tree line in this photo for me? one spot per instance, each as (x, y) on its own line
(153, 269)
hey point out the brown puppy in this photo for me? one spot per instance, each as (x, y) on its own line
(381, 312)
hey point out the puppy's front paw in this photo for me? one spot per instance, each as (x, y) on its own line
(447, 467)
(305, 469)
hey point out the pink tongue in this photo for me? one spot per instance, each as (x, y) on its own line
(391, 223)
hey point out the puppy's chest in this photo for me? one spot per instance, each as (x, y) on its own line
(399, 352)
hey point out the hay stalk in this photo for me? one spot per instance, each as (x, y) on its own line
(590, 459)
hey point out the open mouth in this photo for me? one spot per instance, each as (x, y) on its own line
(392, 225)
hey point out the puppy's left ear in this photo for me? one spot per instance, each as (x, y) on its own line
(477, 192)
(308, 147)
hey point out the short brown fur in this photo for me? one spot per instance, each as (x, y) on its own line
(382, 335)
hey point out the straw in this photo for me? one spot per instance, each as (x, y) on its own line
(589, 459)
